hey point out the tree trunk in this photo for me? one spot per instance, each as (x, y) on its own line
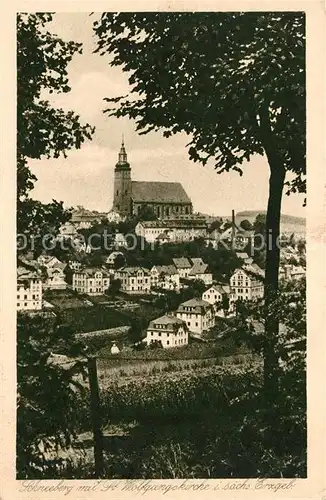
(273, 218)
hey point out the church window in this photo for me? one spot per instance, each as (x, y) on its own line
(187, 210)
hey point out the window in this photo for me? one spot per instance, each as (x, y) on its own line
(196, 324)
(117, 192)
(25, 297)
(188, 323)
(159, 334)
(167, 342)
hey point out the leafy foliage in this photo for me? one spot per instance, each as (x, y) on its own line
(46, 418)
(46, 391)
(216, 76)
(42, 131)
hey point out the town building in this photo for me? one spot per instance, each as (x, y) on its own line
(55, 277)
(48, 260)
(134, 279)
(183, 266)
(247, 283)
(29, 288)
(75, 264)
(120, 241)
(214, 296)
(174, 229)
(199, 271)
(165, 277)
(197, 314)
(131, 197)
(291, 272)
(169, 330)
(91, 281)
(82, 218)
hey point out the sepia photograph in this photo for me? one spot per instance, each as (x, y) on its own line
(161, 245)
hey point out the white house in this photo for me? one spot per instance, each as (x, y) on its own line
(173, 228)
(29, 288)
(55, 277)
(183, 266)
(291, 272)
(199, 271)
(91, 281)
(150, 230)
(165, 277)
(247, 283)
(198, 315)
(214, 295)
(48, 261)
(168, 329)
(75, 264)
(134, 279)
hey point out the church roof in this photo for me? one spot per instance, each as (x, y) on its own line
(159, 192)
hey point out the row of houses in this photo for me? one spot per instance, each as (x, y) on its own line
(198, 315)
(140, 280)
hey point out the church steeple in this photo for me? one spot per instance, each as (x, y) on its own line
(123, 159)
(122, 183)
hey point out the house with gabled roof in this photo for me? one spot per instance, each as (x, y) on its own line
(183, 266)
(247, 282)
(165, 277)
(29, 287)
(91, 280)
(198, 314)
(200, 271)
(134, 279)
(169, 330)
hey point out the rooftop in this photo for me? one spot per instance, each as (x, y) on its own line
(181, 262)
(159, 192)
(167, 320)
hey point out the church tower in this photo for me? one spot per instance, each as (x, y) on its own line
(122, 184)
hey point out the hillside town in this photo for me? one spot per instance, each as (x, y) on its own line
(160, 220)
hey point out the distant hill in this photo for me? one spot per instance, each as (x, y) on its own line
(289, 223)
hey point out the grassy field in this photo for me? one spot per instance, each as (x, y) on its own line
(65, 299)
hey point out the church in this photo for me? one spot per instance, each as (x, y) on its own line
(130, 197)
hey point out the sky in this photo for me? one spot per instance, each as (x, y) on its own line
(86, 176)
